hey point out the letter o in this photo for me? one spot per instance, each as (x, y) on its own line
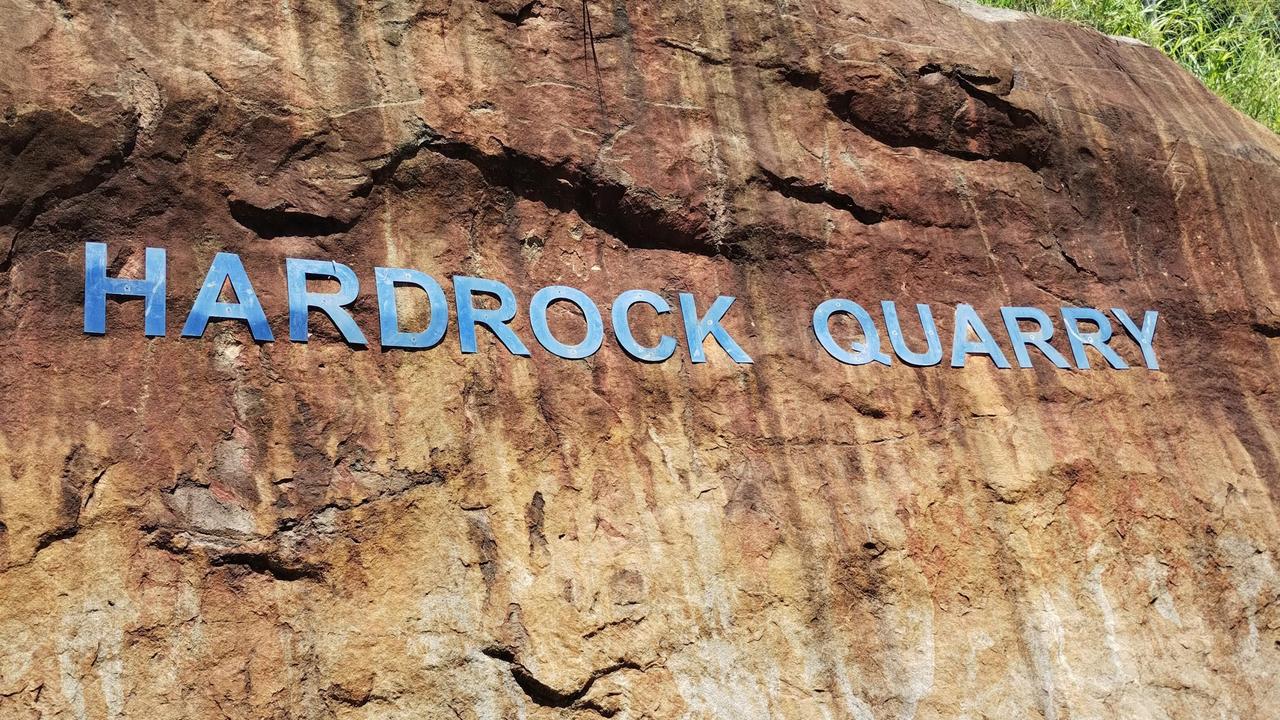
(538, 319)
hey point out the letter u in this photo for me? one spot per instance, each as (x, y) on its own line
(932, 355)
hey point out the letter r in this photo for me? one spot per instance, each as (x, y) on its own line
(469, 316)
(301, 301)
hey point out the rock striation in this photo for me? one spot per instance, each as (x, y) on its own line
(216, 528)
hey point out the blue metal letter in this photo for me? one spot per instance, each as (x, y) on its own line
(931, 356)
(961, 346)
(696, 331)
(863, 352)
(1071, 318)
(226, 267)
(538, 319)
(97, 286)
(1145, 337)
(386, 280)
(496, 320)
(1020, 339)
(301, 301)
(666, 346)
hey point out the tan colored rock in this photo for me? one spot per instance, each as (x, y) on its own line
(220, 529)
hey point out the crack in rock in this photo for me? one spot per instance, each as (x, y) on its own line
(264, 563)
(46, 135)
(274, 222)
(952, 109)
(518, 15)
(547, 696)
(637, 217)
(818, 194)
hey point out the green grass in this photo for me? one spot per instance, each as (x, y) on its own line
(1233, 46)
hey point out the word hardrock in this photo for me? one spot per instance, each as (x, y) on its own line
(227, 269)
(970, 334)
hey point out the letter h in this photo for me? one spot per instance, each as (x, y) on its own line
(97, 286)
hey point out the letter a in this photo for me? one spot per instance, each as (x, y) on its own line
(227, 268)
(961, 346)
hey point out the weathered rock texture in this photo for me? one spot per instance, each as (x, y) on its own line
(213, 528)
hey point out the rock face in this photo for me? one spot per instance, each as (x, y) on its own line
(216, 528)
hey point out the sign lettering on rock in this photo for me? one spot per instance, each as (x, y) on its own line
(1027, 331)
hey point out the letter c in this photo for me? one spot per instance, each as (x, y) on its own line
(666, 346)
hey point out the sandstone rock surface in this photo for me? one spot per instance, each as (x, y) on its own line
(221, 529)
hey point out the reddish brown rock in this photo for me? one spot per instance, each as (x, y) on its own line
(216, 528)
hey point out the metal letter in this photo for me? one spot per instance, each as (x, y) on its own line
(1145, 337)
(1020, 339)
(863, 352)
(696, 330)
(931, 356)
(301, 300)
(538, 319)
(97, 286)
(386, 280)
(961, 346)
(1071, 318)
(666, 346)
(496, 320)
(226, 267)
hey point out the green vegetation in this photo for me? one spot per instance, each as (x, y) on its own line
(1233, 46)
